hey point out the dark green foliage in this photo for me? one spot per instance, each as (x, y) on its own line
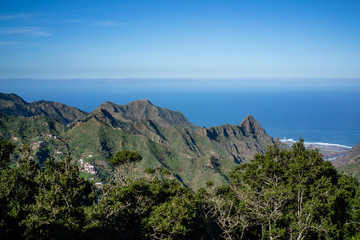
(6, 149)
(150, 170)
(279, 194)
(57, 211)
(42, 155)
(124, 163)
(293, 194)
(42, 204)
(172, 219)
(165, 172)
(17, 192)
(128, 212)
(125, 156)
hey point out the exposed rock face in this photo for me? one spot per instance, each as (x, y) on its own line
(351, 157)
(12, 98)
(242, 141)
(13, 105)
(145, 110)
(59, 111)
(250, 125)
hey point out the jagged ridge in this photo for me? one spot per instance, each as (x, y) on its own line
(145, 110)
(164, 138)
(13, 105)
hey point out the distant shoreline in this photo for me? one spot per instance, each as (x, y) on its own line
(290, 140)
(330, 151)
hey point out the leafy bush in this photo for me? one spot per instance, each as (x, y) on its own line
(125, 156)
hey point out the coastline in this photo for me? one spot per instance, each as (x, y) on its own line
(330, 151)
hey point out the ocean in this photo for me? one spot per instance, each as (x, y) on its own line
(323, 115)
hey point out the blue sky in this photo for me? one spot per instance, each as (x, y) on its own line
(179, 39)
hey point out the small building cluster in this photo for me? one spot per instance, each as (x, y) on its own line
(87, 167)
(36, 145)
(14, 138)
(51, 136)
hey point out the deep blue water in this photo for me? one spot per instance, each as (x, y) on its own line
(330, 115)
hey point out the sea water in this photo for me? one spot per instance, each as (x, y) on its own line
(322, 115)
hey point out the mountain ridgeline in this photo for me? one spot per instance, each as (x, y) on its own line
(145, 110)
(13, 105)
(164, 138)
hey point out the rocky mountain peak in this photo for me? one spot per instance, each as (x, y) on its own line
(252, 126)
(13, 105)
(144, 102)
(140, 110)
(107, 104)
(12, 97)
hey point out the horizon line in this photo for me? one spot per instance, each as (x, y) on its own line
(181, 78)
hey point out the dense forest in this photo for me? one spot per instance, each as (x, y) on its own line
(280, 194)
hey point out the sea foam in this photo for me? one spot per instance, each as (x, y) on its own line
(290, 140)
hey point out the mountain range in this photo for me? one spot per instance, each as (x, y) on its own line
(166, 139)
(13, 105)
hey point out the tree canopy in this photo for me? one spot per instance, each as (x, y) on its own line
(293, 194)
(281, 194)
(125, 156)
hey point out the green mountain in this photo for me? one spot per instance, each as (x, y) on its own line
(13, 105)
(164, 138)
(44, 135)
(145, 110)
(349, 163)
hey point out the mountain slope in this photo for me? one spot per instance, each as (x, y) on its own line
(59, 111)
(26, 128)
(44, 135)
(13, 105)
(164, 138)
(192, 157)
(241, 141)
(145, 110)
(349, 162)
(350, 157)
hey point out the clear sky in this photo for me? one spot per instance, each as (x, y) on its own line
(179, 39)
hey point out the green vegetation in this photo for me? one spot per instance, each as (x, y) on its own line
(352, 169)
(165, 139)
(6, 149)
(124, 163)
(162, 178)
(349, 163)
(293, 194)
(280, 194)
(125, 156)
